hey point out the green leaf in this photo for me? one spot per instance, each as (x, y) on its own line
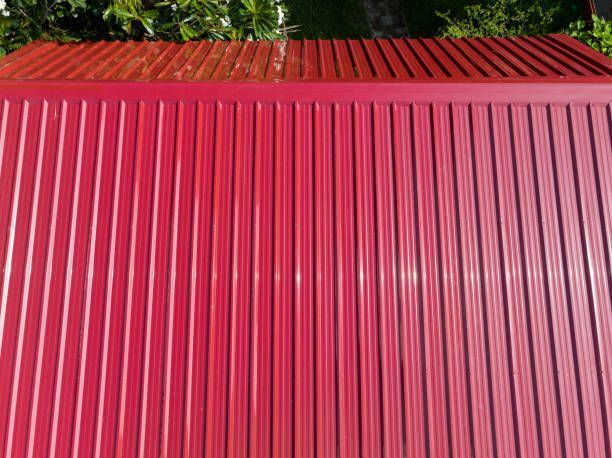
(78, 3)
(147, 23)
(122, 13)
(187, 33)
(149, 14)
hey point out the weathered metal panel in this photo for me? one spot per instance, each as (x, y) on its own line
(551, 56)
(276, 269)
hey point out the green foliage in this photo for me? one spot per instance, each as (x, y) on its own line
(422, 20)
(329, 18)
(598, 36)
(498, 18)
(22, 21)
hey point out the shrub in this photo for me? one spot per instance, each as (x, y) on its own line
(598, 36)
(22, 21)
(499, 18)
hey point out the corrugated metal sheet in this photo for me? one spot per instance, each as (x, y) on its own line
(305, 269)
(550, 56)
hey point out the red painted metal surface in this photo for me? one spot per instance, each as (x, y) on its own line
(355, 268)
(551, 56)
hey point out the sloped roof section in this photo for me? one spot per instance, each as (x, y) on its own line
(380, 266)
(309, 60)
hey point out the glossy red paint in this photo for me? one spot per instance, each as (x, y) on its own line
(346, 248)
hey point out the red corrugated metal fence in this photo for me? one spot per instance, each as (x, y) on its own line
(301, 270)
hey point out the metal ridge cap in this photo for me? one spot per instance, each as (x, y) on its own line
(589, 89)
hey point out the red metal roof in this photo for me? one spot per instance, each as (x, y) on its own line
(362, 268)
(550, 56)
